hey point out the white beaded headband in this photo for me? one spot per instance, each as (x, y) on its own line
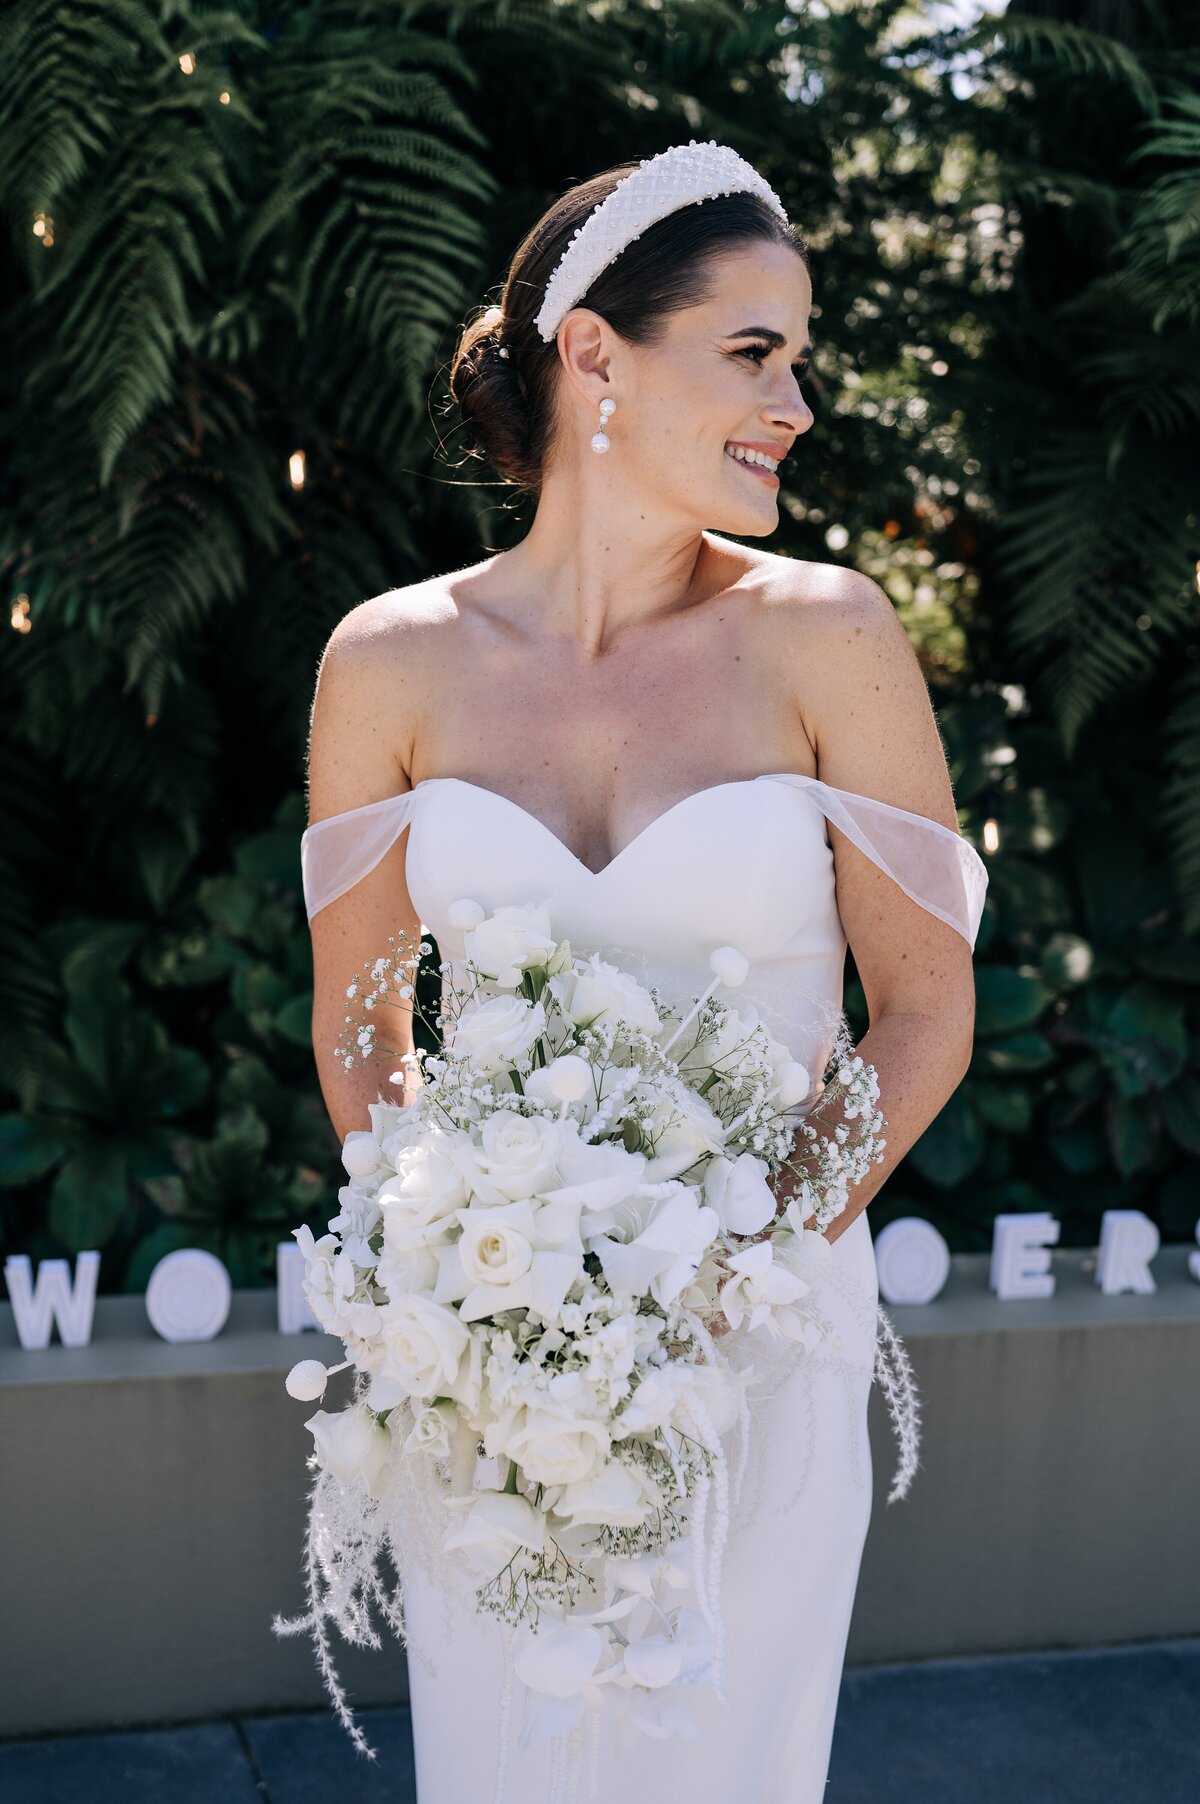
(658, 186)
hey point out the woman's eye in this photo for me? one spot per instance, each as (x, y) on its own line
(758, 352)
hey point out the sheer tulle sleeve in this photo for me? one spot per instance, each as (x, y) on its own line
(336, 852)
(933, 864)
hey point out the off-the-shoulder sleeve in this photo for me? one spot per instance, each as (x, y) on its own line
(336, 852)
(934, 865)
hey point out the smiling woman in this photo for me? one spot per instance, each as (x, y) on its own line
(677, 749)
(508, 401)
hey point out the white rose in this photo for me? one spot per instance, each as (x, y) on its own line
(431, 1429)
(517, 1156)
(497, 1032)
(429, 1185)
(513, 939)
(739, 1192)
(595, 988)
(352, 1444)
(404, 1270)
(423, 1344)
(497, 1244)
(551, 1447)
(530, 1262)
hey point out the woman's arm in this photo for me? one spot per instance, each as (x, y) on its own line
(358, 748)
(869, 716)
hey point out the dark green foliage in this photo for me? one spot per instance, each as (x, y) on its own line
(272, 255)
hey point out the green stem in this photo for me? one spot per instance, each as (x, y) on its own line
(510, 1483)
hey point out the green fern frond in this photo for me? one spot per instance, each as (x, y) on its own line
(1180, 805)
(1068, 47)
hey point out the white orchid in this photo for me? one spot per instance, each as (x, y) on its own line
(492, 1526)
(665, 1254)
(762, 1290)
(739, 1191)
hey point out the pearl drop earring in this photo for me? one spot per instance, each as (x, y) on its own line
(600, 440)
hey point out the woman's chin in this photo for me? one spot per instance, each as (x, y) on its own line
(746, 522)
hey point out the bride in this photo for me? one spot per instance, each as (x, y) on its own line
(676, 742)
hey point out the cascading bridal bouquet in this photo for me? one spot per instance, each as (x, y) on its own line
(535, 1267)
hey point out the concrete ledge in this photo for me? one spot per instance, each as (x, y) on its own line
(152, 1500)
(1054, 1506)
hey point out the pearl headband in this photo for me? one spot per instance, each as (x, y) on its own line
(659, 185)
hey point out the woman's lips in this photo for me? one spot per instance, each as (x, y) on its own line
(768, 476)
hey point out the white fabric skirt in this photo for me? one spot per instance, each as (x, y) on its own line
(790, 1573)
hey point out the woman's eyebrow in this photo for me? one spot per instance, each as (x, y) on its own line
(776, 340)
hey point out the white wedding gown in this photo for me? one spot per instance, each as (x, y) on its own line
(747, 863)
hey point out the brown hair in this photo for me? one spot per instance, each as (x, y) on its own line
(507, 403)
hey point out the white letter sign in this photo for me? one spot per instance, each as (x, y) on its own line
(188, 1295)
(1128, 1242)
(292, 1313)
(913, 1260)
(53, 1299)
(1020, 1261)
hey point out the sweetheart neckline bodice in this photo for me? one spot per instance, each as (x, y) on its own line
(664, 814)
(934, 864)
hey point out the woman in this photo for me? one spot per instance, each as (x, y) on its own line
(678, 743)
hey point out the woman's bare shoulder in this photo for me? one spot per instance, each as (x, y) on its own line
(805, 585)
(398, 622)
(377, 675)
(866, 702)
(821, 605)
(785, 589)
(400, 635)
